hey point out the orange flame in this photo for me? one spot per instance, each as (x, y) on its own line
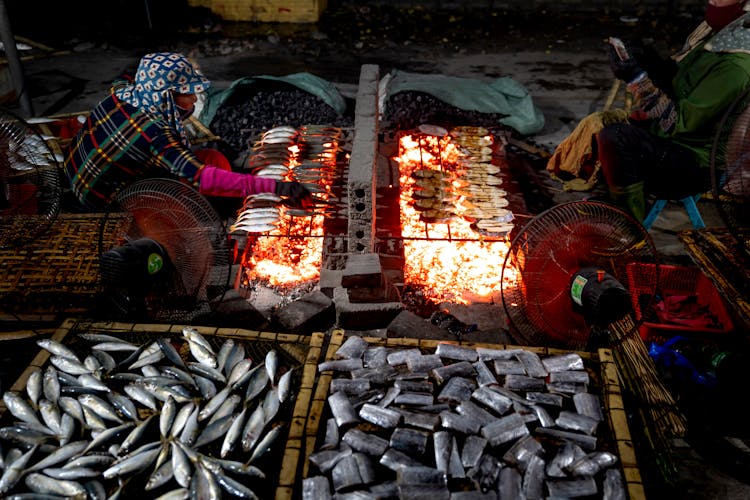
(459, 271)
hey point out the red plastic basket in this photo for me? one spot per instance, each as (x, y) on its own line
(675, 281)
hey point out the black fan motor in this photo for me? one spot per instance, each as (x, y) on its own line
(138, 263)
(599, 296)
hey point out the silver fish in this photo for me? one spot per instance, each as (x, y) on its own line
(68, 365)
(272, 365)
(160, 476)
(180, 466)
(60, 455)
(136, 434)
(50, 413)
(176, 494)
(214, 403)
(123, 405)
(58, 349)
(171, 353)
(181, 418)
(257, 382)
(100, 407)
(207, 372)
(285, 386)
(14, 470)
(135, 462)
(72, 407)
(253, 428)
(70, 473)
(266, 443)
(119, 346)
(226, 408)
(34, 386)
(233, 434)
(190, 431)
(40, 483)
(142, 396)
(20, 409)
(51, 384)
(106, 436)
(234, 488)
(238, 371)
(213, 431)
(89, 380)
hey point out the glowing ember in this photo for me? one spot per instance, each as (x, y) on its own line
(444, 254)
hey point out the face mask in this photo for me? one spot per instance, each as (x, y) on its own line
(718, 17)
(184, 113)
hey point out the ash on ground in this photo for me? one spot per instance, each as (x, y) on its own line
(268, 298)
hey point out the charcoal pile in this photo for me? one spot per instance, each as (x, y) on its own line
(477, 421)
(251, 111)
(407, 110)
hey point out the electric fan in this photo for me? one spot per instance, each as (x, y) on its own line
(175, 259)
(30, 189)
(571, 262)
(730, 171)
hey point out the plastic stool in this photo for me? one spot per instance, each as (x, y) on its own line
(690, 207)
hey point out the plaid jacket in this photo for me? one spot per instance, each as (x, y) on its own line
(120, 144)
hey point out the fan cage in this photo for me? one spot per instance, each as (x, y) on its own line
(548, 252)
(185, 224)
(730, 175)
(30, 182)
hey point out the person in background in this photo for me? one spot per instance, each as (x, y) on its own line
(136, 132)
(665, 145)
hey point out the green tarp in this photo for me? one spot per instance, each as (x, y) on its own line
(502, 96)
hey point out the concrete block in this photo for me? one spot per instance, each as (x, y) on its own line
(362, 269)
(233, 310)
(364, 316)
(329, 279)
(312, 312)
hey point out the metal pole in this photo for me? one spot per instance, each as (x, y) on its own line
(14, 62)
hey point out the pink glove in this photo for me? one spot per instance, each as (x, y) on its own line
(214, 181)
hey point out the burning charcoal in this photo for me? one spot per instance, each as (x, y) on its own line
(424, 363)
(442, 442)
(342, 409)
(401, 357)
(567, 387)
(484, 375)
(382, 417)
(410, 441)
(492, 400)
(487, 354)
(582, 440)
(471, 411)
(316, 488)
(613, 488)
(485, 475)
(457, 390)
(543, 416)
(455, 467)
(459, 423)
(545, 398)
(588, 404)
(365, 443)
(395, 460)
(564, 362)
(390, 396)
(327, 459)
(532, 363)
(505, 429)
(341, 365)
(578, 377)
(523, 383)
(350, 386)
(459, 353)
(509, 367)
(420, 420)
(522, 450)
(566, 455)
(345, 474)
(375, 357)
(460, 369)
(421, 475)
(378, 376)
(414, 399)
(576, 422)
(570, 488)
(413, 386)
(353, 348)
(331, 439)
(533, 478)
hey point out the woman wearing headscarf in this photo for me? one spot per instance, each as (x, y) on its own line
(136, 132)
(665, 147)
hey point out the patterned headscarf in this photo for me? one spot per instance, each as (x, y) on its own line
(159, 74)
